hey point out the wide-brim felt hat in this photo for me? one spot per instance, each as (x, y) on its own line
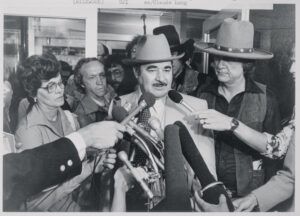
(152, 49)
(235, 39)
(173, 38)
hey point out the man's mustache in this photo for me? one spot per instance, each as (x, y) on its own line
(160, 83)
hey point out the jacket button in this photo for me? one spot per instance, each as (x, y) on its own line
(70, 163)
(62, 168)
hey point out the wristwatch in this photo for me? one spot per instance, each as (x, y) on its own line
(234, 124)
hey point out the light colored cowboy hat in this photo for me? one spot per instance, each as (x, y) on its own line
(152, 49)
(235, 39)
(173, 38)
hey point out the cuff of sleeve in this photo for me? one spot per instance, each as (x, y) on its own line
(79, 144)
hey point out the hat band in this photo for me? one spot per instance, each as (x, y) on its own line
(233, 50)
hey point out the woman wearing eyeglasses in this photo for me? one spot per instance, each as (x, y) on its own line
(46, 122)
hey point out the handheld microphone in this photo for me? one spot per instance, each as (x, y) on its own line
(211, 189)
(176, 97)
(119, 113)
(147, 100)
(123, 157)
(177, 192)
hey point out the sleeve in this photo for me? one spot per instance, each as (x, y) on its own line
(278, 144)
(49, 197)
(271, 122)
(281, 186)
(29, 172)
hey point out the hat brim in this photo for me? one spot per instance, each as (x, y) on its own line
(183, 46)
(255, 55)
(148, 61)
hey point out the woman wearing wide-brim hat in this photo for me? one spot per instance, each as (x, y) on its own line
(239, 109)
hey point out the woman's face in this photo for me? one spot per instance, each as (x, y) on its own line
(51, 92)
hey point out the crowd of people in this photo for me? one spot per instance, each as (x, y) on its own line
(67, 137)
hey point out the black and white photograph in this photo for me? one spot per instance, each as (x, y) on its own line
(138, 106)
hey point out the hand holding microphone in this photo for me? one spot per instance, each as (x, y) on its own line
(123, 157)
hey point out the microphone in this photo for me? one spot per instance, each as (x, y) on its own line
(123, 157)
(119, 113)
(147, 100)
(177, 192)
(177, 98)
(211, 189)
(156, 126)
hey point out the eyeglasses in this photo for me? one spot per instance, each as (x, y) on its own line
(51, 87)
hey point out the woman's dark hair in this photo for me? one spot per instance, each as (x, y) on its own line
(34, 70)
(78, 76)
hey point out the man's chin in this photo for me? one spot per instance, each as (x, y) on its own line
(158, 95)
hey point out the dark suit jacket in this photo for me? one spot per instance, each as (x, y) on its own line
(29, 172)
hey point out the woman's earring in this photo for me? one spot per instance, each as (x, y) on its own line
(35, 99)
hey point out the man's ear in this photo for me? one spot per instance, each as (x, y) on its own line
(136, 72)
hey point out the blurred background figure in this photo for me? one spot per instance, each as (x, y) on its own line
(102, 52)
(7, 97)
(66, 71)
(131, 46)
(120, 76)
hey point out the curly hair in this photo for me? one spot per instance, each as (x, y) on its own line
(78, 76)
(34, 70)
(132, 43)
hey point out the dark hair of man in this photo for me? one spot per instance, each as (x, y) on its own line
(77, 71)
(65, 66)
(132, 43)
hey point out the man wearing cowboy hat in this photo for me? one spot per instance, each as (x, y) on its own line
(185, 79)
(234, 98)
(153, 70)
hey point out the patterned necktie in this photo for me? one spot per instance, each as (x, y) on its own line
(143, 117)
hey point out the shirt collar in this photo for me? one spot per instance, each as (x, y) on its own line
(159, 103)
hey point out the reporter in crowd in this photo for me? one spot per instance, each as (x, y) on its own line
(29, 172)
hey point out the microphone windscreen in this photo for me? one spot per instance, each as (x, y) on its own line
(175, 96)
(149, 99)
(119, 113)
(194, 158)
(177, 192)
